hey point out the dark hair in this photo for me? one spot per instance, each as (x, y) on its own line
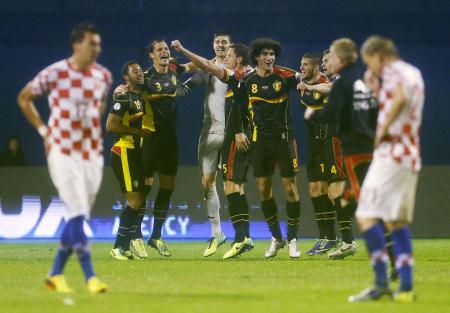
(125, 67)
(314, 57)
(241, 51)
(223, 33)
(259, 44)
(326, 51)
(77, 34)
(151, 46)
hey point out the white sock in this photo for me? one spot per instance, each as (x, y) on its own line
(212, 206)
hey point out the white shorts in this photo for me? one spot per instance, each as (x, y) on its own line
(388, 192)
(76, 180)
(209, 147)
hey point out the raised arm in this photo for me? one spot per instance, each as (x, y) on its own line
(199, 61)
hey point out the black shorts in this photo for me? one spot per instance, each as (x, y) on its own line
(127, 166)
(356, 167)
(325, 160)
(234, 163)
(160, 154)
(268, 153)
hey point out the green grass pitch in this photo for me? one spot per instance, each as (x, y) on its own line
(188, 282)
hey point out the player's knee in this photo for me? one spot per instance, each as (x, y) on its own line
(317, 189)
(365, 224)
(291, 192)
(336, 190)
(208, 181)
(230, 187)
(148, 182)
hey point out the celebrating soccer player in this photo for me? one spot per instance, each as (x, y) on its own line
(125, 120)
(325, 173)
(265, 92)
(77, 89)
(212, 135)
(234, 163)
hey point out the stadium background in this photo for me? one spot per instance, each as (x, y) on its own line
(34, 36)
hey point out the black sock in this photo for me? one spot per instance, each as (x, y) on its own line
(344, 221)
(160, 211)
(325, 215)
(293, 215)
(133, 227)
(269, 208)
(123, 233)
(238, 216)
(138, 222)
(245, 207)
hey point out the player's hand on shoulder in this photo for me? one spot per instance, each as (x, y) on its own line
(302, 86)
(121, 89)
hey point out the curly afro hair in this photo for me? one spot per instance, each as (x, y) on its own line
(259, 44)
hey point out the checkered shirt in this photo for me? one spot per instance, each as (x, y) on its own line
(75, 100)
(403, 146)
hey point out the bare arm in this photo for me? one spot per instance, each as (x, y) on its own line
(199, 61)
(114, 125)
(25, 100)
(323, 88)
(398, 103)
(189, 67)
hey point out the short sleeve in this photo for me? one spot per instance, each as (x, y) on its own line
(121, 104)
(41, 84)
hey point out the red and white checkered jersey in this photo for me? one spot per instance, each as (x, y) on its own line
(75, 100)
(403, 146)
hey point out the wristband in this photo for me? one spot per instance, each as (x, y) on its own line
(43, 131)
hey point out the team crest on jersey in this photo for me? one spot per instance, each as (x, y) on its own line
(174, 80)
(137, 103)
(277, 85)
(117, 106)
(136, 183)
(316, 95)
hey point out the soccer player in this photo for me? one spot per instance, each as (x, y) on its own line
(125, 120)
(325, 173)
(77, 89)
(265, 92)
(160, 150)
(212, 136)
(353, 110)
(389, 189)
(358, 148)
(234, 163)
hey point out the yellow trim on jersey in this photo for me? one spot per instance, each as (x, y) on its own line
(229, 93)
(274, 101)
(126, 169)
(152, 96)
(314, 107)
(147, 120)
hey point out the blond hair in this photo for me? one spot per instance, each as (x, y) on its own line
(378, 44)
(346, 50)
